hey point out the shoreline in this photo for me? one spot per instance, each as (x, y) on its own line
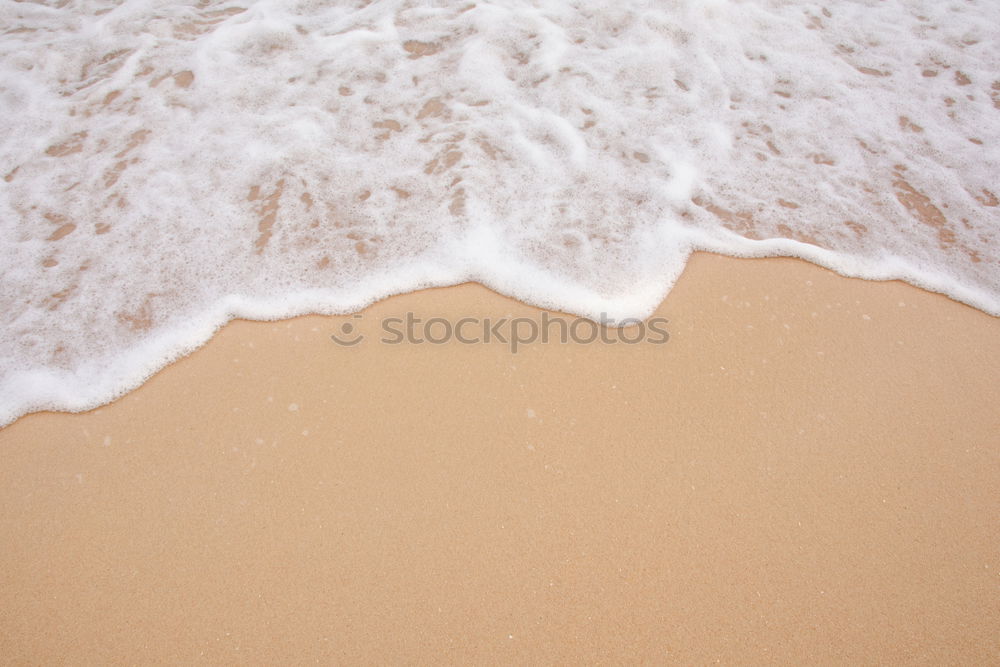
(806, 468)
(177, 352)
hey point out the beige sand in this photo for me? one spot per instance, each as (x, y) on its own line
(807, 471)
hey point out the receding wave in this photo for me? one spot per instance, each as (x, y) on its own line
(168, 166)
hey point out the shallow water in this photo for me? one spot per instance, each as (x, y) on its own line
(168, 166)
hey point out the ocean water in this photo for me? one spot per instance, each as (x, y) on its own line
(167, 166)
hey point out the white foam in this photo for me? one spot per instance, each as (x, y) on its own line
(168, 167)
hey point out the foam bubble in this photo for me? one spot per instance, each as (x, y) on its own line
(167, 167)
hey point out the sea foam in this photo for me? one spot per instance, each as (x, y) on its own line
(168, 166)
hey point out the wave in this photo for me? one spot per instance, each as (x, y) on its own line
(168, 167)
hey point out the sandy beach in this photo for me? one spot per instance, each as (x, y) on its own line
(783, 464)
(807, 471)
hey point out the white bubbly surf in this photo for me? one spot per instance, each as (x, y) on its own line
(168, 166)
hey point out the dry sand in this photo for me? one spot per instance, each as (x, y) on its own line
(807, 471)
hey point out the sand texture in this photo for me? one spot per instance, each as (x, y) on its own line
(807, 471)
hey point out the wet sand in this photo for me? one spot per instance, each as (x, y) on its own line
(807, 471)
